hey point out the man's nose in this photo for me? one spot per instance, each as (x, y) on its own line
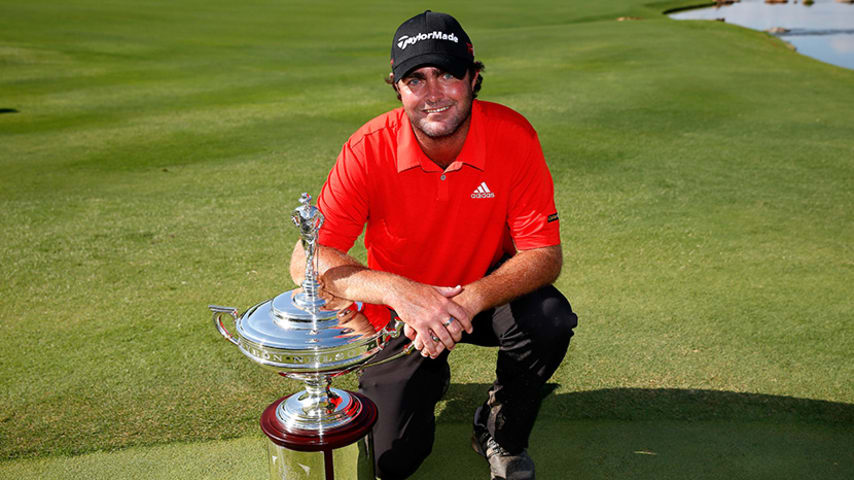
(434, 90)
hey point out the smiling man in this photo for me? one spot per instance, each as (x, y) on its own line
(463, 244)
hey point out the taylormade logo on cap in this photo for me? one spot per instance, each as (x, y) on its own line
(406, 40)
(430, 38)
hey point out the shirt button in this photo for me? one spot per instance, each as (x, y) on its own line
(442, 177)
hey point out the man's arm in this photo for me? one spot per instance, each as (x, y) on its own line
(424, 308)
(522, 273)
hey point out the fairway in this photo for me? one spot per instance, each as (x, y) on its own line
(152, 151)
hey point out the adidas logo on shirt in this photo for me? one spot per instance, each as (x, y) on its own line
(482, 191)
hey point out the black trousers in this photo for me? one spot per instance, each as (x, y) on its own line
(532, 334)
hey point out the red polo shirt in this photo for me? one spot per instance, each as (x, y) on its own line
(441, 227)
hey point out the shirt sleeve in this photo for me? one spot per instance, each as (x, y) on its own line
(343, 199)
(532, 218)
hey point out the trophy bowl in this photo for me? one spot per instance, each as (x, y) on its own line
(312, 349)
(301, 344)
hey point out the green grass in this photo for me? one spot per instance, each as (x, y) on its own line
(704, 176)
(600, 449)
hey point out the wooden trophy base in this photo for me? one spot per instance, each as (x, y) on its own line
(307, 454)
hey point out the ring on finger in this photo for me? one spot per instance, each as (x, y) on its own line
(434, 337)
(448, 322)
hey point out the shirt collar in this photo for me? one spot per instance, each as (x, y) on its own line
(410, 155)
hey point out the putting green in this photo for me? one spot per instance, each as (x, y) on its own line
(582, 450)
(151, 151)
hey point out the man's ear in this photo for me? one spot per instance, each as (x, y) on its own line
(391, 82)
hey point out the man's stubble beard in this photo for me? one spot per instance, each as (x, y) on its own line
(423, 126)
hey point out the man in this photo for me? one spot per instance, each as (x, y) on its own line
(463, 244)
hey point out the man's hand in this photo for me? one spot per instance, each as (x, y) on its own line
(427, 311)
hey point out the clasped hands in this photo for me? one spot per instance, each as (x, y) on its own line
(434, 319)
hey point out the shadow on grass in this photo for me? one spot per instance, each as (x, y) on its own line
(8, 110)
(602, 434)
(663, 433)
(664, 404)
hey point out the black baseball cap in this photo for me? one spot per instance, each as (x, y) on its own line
(431, 38)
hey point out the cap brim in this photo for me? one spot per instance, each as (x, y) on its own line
(453, 65)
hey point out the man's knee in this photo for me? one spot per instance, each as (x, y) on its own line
(559, 317)
(404, 457)
(553, 318)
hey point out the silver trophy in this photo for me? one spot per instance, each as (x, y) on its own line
(311, 336)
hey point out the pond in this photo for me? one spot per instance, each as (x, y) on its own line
(822, 29)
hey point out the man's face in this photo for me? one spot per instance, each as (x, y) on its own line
(435, 101)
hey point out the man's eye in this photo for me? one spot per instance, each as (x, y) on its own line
(447, 76)
(413, 82)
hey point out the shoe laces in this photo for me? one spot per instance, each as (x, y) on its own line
(494, 448)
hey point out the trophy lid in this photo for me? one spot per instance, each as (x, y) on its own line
(280, 335)
(280, 323)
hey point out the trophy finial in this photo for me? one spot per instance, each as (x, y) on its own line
(308, 219)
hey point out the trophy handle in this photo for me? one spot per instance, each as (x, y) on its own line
(220, 327)
(394, 332)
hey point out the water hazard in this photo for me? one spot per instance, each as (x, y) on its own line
(822, 29)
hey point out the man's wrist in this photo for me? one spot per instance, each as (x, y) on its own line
(391, 286)
(470, 300)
